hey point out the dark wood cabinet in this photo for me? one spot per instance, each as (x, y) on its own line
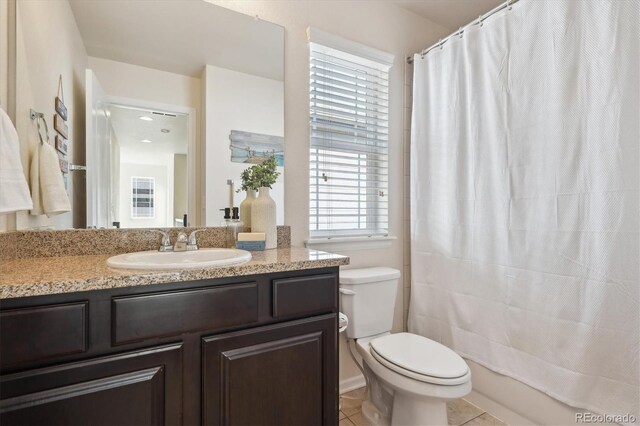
(53, 331)
(138, 318)
(281, 374)
(255, 350)
(134, 388)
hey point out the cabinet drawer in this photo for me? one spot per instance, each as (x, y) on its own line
(305, 295)
(141, 317)
(132, 388)
(31, 334)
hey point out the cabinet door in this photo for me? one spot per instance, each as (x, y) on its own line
(134, 388)
(283, 374)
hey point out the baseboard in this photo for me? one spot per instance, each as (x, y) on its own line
(498, 410)
(352, 383)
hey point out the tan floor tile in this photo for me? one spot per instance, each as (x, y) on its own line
(341, 415)
(345, 422)
(460, 411)
(485, 420)
(356, 393)
(350, 411)
(351, 402)
(359, 420)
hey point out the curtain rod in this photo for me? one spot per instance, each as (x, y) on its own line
(506, 5)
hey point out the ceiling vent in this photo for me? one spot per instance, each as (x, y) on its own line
(164, 114)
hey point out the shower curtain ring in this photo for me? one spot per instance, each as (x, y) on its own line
(509, 5)
(480, 20)
(440, 43)
(461, 31)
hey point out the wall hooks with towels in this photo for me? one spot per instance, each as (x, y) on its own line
(39, 117)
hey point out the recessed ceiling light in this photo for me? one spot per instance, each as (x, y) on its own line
(165, 130)
(145, 118)
(145, 141)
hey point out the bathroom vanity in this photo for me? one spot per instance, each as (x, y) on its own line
(250, 344)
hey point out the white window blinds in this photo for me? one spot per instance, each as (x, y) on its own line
(349, 129)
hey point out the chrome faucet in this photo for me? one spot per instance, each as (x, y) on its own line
(192, 243)
(181, 242)
(165, 245)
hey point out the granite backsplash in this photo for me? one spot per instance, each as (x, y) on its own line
(79, 242)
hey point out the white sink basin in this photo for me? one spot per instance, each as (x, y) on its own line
(197, 259)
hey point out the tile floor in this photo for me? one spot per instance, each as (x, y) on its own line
(460, 412)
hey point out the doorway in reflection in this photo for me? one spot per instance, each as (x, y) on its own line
(148, 167)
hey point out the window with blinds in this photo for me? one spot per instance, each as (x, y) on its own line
(349, 129)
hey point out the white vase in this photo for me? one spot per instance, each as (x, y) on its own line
(263, 217)
(245, 208)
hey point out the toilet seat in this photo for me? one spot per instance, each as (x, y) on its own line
(420, 358)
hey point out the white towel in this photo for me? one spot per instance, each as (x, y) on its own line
(47, 184)
(14, 192)
(34, 182)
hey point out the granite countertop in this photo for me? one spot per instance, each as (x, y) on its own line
(37, 276)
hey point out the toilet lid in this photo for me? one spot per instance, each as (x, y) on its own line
(419, 355)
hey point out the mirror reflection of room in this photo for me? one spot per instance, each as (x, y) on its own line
(214, 108)
(148, 167)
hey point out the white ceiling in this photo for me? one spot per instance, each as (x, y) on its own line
(451, 14)
(180, 36)
(130, 130)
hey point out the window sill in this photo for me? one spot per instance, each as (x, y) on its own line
(350, 243)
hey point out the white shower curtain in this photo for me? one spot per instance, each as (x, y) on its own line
(524, 198)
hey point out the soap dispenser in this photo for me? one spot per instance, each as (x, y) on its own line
(232, 225)
(235, 226)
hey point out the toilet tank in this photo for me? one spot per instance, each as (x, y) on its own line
(368, 299)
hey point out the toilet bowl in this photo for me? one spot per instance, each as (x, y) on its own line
(418, 399)
(419, 373)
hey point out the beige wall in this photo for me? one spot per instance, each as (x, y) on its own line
(380, 25)
(48, 45)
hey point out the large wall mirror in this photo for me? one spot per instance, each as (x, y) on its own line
(167, 101)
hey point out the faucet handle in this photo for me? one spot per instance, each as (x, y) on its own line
(166, 240)
(193, 243)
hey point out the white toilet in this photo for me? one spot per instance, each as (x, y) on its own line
(419, 375)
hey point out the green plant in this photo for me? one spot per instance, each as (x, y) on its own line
(266, 173)
(248, 182)
(261, 175)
